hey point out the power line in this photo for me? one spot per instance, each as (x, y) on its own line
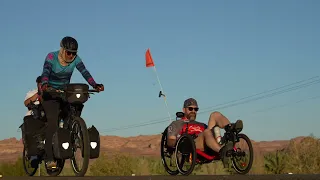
(135, 125)
(163, 119)
(283, 105)
(269, 95)
(160, 120)
(270, 90)
(262, 110)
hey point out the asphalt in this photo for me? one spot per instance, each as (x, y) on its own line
(205, 177)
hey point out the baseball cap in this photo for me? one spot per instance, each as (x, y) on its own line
(190, 102)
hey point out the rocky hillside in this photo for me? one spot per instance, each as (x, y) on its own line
(148, 145)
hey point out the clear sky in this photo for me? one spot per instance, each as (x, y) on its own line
(214, 51)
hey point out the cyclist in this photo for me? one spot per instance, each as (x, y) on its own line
(32, 97)
(205, 137)
(57, 71)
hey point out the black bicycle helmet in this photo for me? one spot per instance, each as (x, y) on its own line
(38, 80)
(69, 44)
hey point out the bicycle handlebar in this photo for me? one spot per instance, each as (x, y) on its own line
(63, 91)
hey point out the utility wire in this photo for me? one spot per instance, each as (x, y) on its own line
(160, 120)
(269, 95)
(163, 119)
(270, 90)
(262, 110)
(283, 105)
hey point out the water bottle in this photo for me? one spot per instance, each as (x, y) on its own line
(61, 123)
(217, 134)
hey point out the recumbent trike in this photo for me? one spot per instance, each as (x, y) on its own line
(185, 151)
(72, 135)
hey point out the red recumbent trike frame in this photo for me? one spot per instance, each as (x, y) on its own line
(186, 145)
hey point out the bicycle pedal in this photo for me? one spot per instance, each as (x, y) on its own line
(53, 167)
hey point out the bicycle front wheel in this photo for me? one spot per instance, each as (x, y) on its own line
(80, 138)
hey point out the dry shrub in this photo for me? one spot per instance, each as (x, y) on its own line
(275, 162)
(12, 169)
(115, 165)
(303, 157)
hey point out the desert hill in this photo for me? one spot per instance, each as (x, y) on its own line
(147, 145)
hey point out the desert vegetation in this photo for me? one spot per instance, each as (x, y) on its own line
(299, 157)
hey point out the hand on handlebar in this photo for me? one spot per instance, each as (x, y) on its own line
(99, 87)
(46, 88)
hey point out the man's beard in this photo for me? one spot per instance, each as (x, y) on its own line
(192, 116)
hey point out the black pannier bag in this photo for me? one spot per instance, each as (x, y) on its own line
(38, 113)
(94, 142)
(33, 133)
(62, 146)
(77, 93)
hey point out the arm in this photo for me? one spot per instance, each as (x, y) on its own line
(47, 67)
(172, 134)
(85, 73)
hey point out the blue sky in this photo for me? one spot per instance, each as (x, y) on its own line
(214, 51)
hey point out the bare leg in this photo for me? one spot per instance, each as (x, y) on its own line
(211, 142)
(215, 118)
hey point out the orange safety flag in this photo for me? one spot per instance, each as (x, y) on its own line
(149, 60)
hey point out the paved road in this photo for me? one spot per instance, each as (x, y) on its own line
(217, 177)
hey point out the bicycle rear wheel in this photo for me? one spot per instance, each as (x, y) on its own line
(26, 164)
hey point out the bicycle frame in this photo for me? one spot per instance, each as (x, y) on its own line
(68, 111)
(72, 102)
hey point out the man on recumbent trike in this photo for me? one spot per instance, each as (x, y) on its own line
(205, 135)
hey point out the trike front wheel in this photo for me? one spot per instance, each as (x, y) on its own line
(167, 153)
(241, 160)
(185, 152)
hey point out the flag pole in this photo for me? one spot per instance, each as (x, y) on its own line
(150, 63)
(161, 93)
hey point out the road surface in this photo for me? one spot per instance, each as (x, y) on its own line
(208, 177)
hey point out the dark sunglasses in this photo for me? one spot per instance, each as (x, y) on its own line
(73, 53)
(191, 109)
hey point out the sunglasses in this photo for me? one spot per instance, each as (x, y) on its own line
(191, 109)
(71, 53)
